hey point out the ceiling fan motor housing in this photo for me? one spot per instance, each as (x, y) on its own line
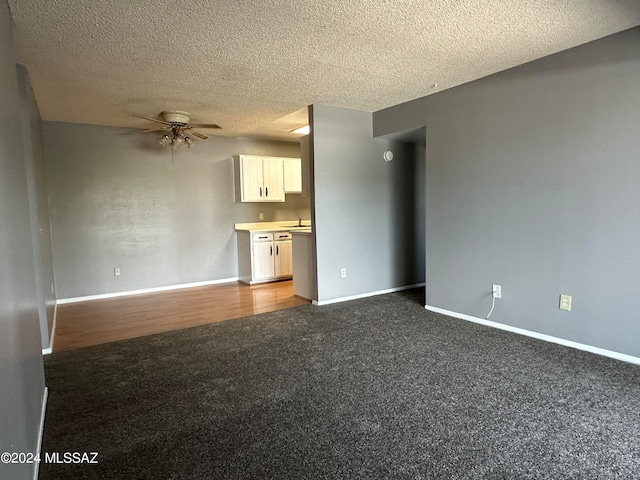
(175, 116)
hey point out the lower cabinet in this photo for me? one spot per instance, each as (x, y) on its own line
(264, 256)
(263, 265)
(284, 254)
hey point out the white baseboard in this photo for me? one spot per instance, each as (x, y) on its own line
(47, 351)
(36, 465)
(368, 294)
(540, 336)
(145, 290)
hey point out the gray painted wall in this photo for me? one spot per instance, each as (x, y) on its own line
(21, 372)
(117, 199)
(367, 213)
(38, 206)
(532, 183)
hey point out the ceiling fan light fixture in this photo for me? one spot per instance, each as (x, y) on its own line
(178, 140)
(165, 141)
(175, 140)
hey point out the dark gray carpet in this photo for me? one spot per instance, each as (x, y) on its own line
(373, 388)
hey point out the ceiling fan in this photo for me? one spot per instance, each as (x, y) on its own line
(177, 129)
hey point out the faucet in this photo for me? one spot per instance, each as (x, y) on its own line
(299, 221)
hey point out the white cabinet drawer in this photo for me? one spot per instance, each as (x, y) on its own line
(281, 236)
(262, 237)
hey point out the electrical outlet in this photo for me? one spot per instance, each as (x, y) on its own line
(565, 302)
(343, 273)
(116, 271)
(260, 215)
(497, 291)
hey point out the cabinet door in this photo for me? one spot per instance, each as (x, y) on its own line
(292, 175)
(251, 175)
(284, 258)
(273, 172)
(263, 260)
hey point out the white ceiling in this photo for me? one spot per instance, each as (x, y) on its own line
(244, 63)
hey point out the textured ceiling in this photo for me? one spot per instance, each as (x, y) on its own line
(244, 64)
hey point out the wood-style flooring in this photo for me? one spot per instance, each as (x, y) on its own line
(100, 321)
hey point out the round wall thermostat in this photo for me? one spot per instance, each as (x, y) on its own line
(388, 155)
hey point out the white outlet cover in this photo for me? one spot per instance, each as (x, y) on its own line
(565, 302)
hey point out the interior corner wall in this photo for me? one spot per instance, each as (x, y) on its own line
(118, 199)
(21, 372)
(38, 206)
(532, 183)
(365, 208)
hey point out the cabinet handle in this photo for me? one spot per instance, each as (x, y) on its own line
(277, 250)
(266, 189)
(260, 191)
(271, 250)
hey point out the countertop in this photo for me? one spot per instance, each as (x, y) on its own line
(283, 226)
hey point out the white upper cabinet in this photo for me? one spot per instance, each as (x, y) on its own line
(292, 175)
(259, 179)
(273, 174)
(251, 174)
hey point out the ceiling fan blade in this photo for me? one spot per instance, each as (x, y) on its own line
(204, 125)
(199, 135)
(152, 119)
(151, 130)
